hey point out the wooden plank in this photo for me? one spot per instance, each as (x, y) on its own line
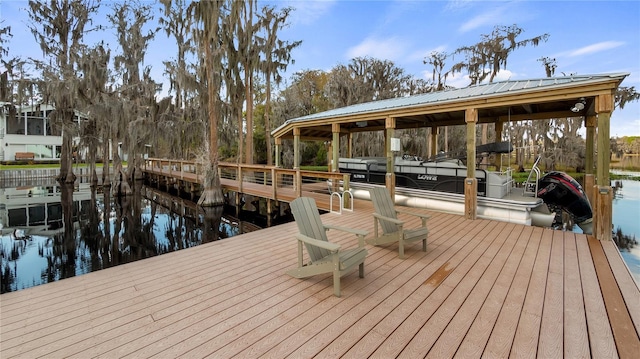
(525, 342)
(462, 299)
(503, 333)
(483, 304)
(624, 333)
(576, 338)
(451, 262)
(601, 340)
(628, 286)
(447, 294)
(551, 344)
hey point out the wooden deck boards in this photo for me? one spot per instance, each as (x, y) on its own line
(482, 288)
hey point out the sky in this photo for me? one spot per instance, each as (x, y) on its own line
(585, 37)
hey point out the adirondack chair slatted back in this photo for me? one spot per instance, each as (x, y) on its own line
(307, 217)
(384, 206)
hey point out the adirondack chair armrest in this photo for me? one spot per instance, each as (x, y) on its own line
(318, 243)
(388, 219)
(358, 232)
(422, 216)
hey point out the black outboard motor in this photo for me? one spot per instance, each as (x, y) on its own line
(561, 190)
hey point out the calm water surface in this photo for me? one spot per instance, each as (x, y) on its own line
(51, 233)
(626, 215)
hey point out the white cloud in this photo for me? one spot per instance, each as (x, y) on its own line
(383, 49)
(491, 18)
(458, 80)
(308, 11)
(591, 49)
(454, 5)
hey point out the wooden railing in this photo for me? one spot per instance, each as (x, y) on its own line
(260, 180)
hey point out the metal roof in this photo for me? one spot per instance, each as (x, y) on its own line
(524, 89)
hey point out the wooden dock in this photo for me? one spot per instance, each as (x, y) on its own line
(483, 288)
(268, 182)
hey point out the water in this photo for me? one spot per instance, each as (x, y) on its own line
(626, 216)
(51, 233)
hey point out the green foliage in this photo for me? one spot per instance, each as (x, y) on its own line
(312, 152)
(315, 168)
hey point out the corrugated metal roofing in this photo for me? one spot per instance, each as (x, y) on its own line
(467, 93)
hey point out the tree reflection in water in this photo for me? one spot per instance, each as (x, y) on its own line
(96, 231)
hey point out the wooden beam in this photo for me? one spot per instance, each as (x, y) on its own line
(471, 183)
(390, 179)
(471, 118)
(499, 127)
(604, 106)
(296, 148)
(335, 146)
(434, 141)
(602, 216)
(589, 179)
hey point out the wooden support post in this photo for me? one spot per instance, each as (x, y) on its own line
(434, 142)
(589, 179)
(497, 159)
(296, 148)
(329, 146)
(390, 178)
(274, 183)
(238, 204)
(346, 200)
(350, 146)
(499, 127)
(335, 146)
(602, 215)
(470, 198)
(278, 156)
(471, 183)
(298, 183)
(239, 178)
(603, 211)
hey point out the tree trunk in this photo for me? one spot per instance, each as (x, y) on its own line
(249, 99)
(106, 178)
(120, 186)
(66, 161)
(267, 122)
(212, 194)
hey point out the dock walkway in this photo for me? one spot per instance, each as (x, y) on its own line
(483, 288)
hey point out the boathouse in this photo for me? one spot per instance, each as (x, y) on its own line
(588, 96)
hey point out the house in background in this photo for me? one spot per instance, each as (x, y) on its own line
(28, 132)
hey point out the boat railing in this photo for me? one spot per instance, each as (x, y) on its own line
(499, 189)
(531, 184)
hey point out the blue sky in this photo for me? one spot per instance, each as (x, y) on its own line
(586, 37)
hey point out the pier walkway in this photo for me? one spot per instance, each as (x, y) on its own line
(483, 288)
(269, 182)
